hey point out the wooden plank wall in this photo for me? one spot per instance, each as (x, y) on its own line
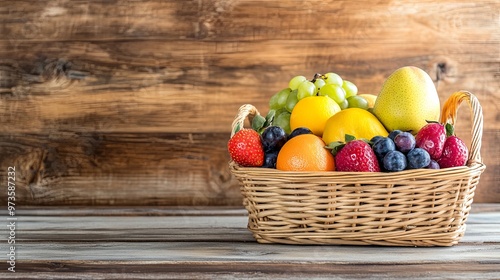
(131, 102)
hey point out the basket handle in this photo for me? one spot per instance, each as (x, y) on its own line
(246, 111)
(449, 114)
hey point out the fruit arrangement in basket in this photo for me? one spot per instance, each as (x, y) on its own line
(327, 165)
(323, 124)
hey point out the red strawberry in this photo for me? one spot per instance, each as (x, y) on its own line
(431, 138)
(455, 153)
(245, 148)
(356, 155)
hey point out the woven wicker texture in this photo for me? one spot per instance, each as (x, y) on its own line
(419, 207)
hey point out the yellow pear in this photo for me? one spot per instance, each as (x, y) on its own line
(407, 100)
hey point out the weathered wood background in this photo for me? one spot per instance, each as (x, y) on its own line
(131, 102)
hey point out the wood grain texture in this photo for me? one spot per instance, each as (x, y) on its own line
(132, 70)
(121, 169)
(482, 228)
(208, 243)
(252, 270)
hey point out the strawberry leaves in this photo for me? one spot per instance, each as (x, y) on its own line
(260, 123)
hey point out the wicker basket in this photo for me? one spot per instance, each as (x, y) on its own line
(420, 207)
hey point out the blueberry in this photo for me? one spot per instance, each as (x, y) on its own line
(382, 146)
(394, 161)
(299, 131)
(433, 165)
(418, 158)
(376, 138)
(405, 142)
(393, 134)
(273, 138)
(270, 159)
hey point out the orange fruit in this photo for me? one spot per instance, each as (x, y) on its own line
(353, 121)
(305, 152)
(313, 112)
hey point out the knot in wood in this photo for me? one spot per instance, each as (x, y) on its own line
(55, 71)
(57, 74)
(443, 69)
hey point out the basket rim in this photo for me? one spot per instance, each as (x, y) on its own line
(451, 171)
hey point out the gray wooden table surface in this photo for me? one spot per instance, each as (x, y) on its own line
(213, 243)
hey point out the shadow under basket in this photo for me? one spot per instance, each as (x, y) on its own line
(420, 207)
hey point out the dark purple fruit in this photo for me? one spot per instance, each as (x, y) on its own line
(405, 142)
(433, 165)
(273, 138)
(418, 158)
(299, 131)
(383, 146)
(395, 161)
(376, 138)
(394, 133)
(270, 159)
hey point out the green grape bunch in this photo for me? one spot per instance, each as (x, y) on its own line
(343, 92)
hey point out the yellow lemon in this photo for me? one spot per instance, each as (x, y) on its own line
(354, 121)
(370, 98)
(313, 112)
